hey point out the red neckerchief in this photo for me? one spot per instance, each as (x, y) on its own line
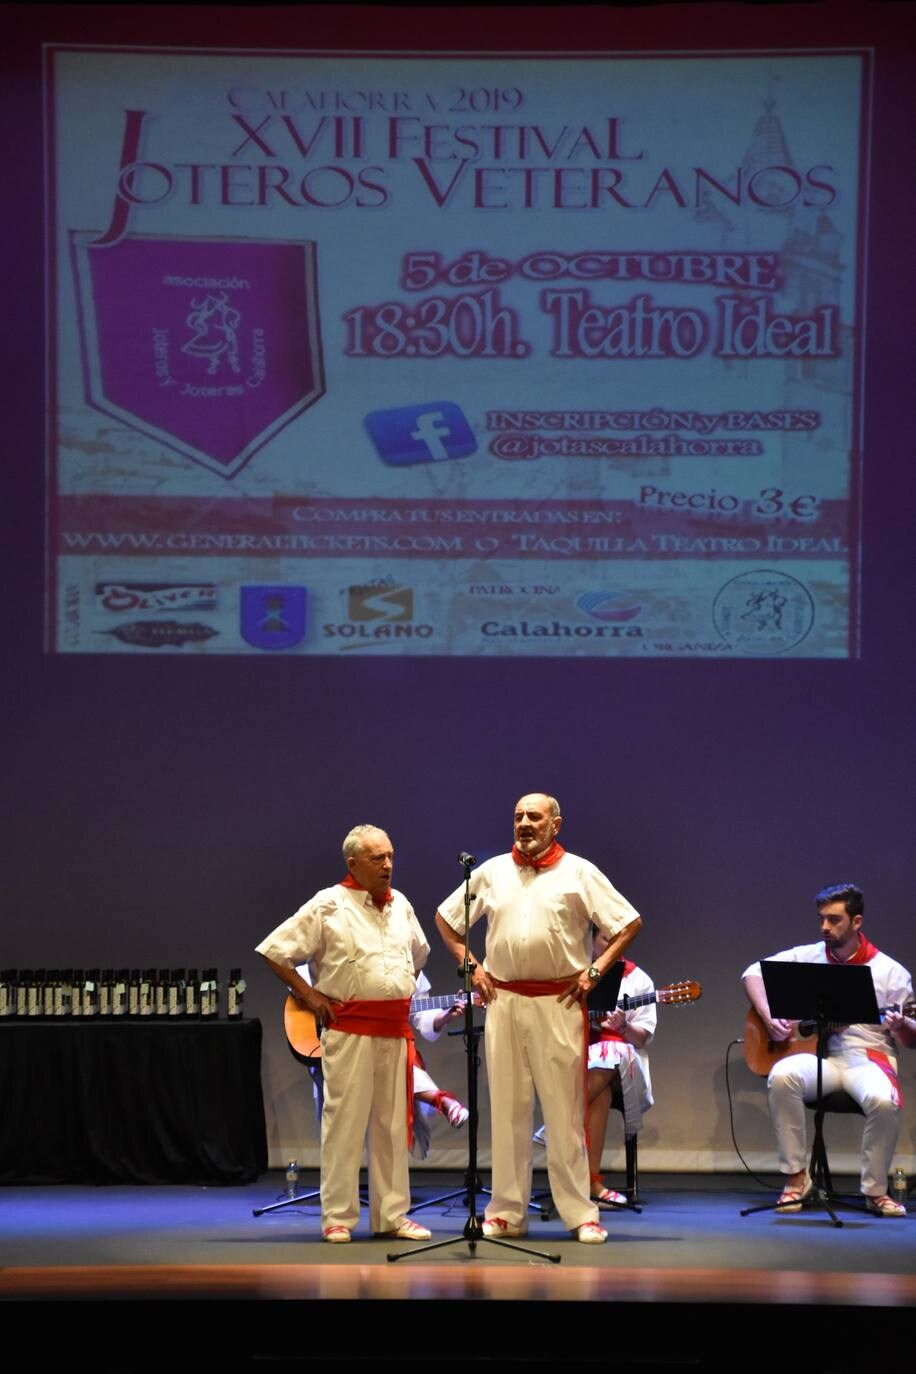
(863, 955)
(546, 859)
(379, 902)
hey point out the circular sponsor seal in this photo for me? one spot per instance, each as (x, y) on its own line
(763, 612)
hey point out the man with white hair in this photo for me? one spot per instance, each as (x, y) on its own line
(364, 947)
(540, 904)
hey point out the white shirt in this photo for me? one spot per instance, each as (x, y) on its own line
(353, 949)
(637, 983)
(539, 920)
(893, 986)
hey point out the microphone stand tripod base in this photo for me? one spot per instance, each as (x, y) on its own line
(473, 1233)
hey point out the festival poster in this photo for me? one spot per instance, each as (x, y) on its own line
(363, 354)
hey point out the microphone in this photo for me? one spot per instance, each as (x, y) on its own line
(467, 859)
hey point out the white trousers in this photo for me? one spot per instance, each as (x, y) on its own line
(612, 1055)
(793, 1082)
(365, 1092)
(536, 1045)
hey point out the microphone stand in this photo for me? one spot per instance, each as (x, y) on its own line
(473, 1228)
(822, 1193)
(831, 1011)
(299, 1199)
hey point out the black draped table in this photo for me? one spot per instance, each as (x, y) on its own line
(114, 1101)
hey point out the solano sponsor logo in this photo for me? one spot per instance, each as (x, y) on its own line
(377, 613)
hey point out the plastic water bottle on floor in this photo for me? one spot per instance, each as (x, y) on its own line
(900, 1187)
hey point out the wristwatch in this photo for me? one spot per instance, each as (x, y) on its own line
(594, 973)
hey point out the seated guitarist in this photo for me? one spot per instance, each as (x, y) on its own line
(617, 1058)
(862, 1059)
(427, 1095)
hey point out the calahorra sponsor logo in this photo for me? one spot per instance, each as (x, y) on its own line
(611, 616)
(612, 608)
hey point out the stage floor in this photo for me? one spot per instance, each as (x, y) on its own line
(681, 1272)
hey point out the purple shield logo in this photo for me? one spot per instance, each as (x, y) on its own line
(273, 617)
(208, 346)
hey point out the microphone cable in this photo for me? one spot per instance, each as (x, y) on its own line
(770, 1187)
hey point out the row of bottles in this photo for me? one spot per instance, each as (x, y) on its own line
(134, 993)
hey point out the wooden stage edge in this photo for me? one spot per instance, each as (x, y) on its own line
(463, 1278)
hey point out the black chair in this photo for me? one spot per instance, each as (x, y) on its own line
(542, 1202)
(631, 1156)
(631, 1162)
(839, 1104)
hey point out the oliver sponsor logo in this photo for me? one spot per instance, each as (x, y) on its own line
(156, 596)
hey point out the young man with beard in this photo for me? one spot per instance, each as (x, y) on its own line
(862, 1059)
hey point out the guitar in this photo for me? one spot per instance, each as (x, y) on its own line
(304, 1033)
(761, 1053)
(304, 1036)
(672, 995)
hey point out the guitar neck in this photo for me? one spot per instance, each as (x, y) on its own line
(672, 995)
(434, 1003)
(642, 999)
(809, 1027)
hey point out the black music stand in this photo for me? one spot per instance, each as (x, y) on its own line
(819, 997)
(605, 995)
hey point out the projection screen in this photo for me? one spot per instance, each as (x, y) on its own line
(464, 355)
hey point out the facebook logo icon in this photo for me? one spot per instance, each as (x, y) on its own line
(421, 434)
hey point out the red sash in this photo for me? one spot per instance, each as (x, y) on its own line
(864, 954)
(884, 1064)
(383, 1019)
(534, 987)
